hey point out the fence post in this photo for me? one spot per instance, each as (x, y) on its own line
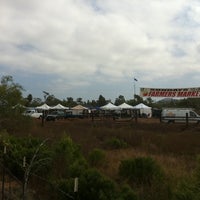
(76, 188)
(136, 116)
(3, 173)
(187, 119)
(24, 179)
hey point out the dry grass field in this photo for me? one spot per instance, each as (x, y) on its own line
(174, 146)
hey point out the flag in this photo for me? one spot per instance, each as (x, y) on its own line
(135, 79)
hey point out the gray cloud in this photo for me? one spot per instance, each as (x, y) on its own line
(84, 43)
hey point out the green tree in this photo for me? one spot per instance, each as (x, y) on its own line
(67, 155)
(79, 101)
(28, 100)
(120, 100)
(33, 149)
(70, 102)
(101, 101)
(10, 92)
(36, 102)
(95, 186)
(149, 101)
(11, 101)
(52, 100)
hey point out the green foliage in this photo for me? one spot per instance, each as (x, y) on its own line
(189, 189)
(127, 193)
(62, 189)
(93, 185)
(67, 155)
(186, 190)
(77, 167)
(97, 157)
(197, 172)
(141, 170)
(120, 100)
(18, 148)
(115, 143)
(101, 101)
(10, 104)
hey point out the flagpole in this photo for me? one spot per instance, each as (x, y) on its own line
(134, 79)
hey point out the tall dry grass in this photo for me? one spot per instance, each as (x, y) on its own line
(174, 146)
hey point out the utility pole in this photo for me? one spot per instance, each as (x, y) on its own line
(135, 80)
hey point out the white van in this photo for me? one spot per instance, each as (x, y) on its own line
(179, 115)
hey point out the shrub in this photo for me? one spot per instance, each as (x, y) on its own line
(116, 143)
(18, 148)
(78, 167)
(186, 190)
(127, 193)
(141, 170)
(97, 157)
(93, 185)
(62, 189)
(67, 158)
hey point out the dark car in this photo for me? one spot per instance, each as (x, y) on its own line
(55, 115)
(69, 115)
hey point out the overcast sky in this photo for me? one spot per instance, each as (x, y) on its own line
(84, 48)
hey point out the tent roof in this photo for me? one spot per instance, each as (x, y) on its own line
(79, 107)
(125, 106)
(60, 107)
(43, 107)
(141, 105)
(109, 106)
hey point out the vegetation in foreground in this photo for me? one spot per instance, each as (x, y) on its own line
(147, 164)
(111, 161)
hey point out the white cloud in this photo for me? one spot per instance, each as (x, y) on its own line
(87, 41)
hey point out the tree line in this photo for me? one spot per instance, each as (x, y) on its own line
(11, 95)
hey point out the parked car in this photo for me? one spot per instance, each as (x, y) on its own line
(55, 115)
(71, 115)
(33, 113)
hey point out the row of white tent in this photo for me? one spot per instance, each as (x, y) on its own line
(142, 107)
(47, 107)
(108, 106)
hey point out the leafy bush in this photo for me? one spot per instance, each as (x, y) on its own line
(116, 143)
(97, 157)
(18, 148)
(78, 167)
(188, 189)
(141, 170)
(62, 189)
(11, 99)
(93, 185)
(127, 193)
(67, 158)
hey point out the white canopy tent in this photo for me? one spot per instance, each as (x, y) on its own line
(144, 109)
(125, 106)
(109, 106)
(43, 107)
(59, 107)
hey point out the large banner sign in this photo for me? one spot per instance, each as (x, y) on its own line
(170, 92)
